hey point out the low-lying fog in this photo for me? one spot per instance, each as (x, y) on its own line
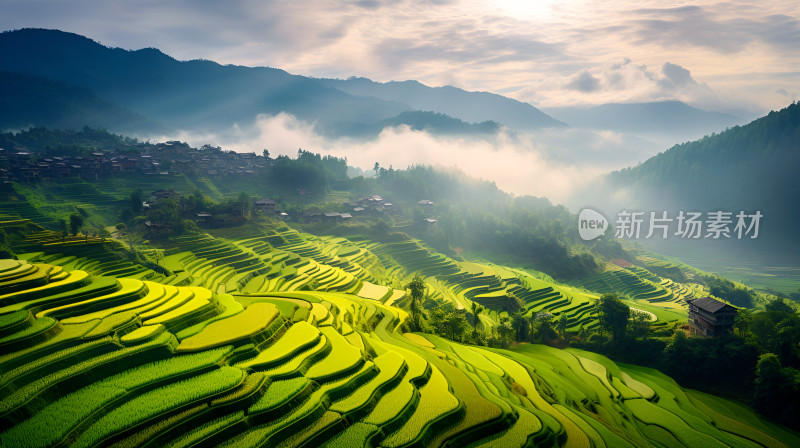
(560, 164)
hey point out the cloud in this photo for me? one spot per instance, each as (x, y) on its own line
(676, 76)
(584, 82)
(545, 52)
(551, 163)
(470, 44)
(625, 81)
(727, 28)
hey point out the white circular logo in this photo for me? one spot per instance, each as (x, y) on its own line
(591, 224)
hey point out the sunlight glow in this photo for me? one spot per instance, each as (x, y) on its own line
(527, 9)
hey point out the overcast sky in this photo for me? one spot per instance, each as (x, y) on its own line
(716, 55)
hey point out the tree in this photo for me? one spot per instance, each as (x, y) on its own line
(198, 201)
(614, 315)
(777, 330)
(640, 324)
(417, 292)
(265, 153)
(599, 313)
(778, 306)
(311, 285)
(505, 329)
(158, 255)
(770, 382)
(5, 243)
(437, 316)
(244, 202)
(520, 325)
(456, 325)
(542, 327)
(75, 223)
(561, 325)
(741, 323)
(377, 169)
(62, 227)
(136, 198)
(676, 353)
(476, 311)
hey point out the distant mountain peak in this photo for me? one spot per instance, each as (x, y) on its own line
(205, 94)
(471, 107)
(654, 117)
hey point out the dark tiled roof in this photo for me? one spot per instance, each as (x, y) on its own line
(710, 305)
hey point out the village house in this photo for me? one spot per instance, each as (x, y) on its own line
(267, 206)
(331, 217)
(312, 214)
(160, 195)
(710, 317)
(164, 159)
(203, 218)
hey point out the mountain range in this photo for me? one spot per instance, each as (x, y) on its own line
(472, 107)
(147, 91)
(654, 119)
(204, 94)
(27, 101)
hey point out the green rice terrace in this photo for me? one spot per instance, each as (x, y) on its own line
(169, 310)
(283, 338)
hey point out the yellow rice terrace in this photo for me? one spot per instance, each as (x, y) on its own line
(95, 360)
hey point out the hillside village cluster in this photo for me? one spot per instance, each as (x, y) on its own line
(171, 158)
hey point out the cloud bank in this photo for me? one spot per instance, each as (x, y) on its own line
(553, 163)
(626, 81)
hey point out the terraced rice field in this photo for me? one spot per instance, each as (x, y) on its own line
(642, 289)
(90, 360)
(287, 260)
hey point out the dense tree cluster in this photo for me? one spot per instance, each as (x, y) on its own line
(476, 215)
(310, 173)
(64, 141)
(760, 362)
(749, 167)
(726, 289)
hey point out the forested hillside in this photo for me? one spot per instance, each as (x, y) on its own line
(749, 167)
